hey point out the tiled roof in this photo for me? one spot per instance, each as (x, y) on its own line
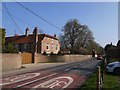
(19, 39)
(46, 35)
(26, 39)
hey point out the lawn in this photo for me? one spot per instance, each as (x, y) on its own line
(110, 81)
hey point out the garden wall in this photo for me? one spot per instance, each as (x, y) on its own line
(60, 58)
(11, 61)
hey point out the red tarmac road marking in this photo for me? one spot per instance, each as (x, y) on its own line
(36, 80)
(58, 82)
(18, 78)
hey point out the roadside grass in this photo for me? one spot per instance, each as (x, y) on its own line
(110, 81)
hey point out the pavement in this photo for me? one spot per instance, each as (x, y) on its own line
(33, 67)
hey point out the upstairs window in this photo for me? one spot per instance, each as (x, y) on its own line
(52, 41)
(56, 47)
(47, 47)
(52, 46)
(47, 38)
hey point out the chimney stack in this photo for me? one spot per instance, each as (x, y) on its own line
(54, 35)
(35, 37)
(26, 32)
(34, 45)
(35, 31)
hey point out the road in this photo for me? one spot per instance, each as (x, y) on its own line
(60, 77)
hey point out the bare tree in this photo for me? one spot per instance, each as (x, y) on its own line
(75, 35)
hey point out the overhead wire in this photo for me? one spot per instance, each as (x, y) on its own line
(38, 16)
(18, 18)
(12, 19)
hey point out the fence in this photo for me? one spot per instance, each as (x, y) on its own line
(26, 58)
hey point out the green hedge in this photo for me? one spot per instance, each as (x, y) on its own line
(113, 53)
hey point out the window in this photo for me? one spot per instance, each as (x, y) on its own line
(52, 46)
(47, 46)
(56, 47)
(25, 46)
(52, 41)
(17, 45)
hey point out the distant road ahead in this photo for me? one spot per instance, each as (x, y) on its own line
(64, 76)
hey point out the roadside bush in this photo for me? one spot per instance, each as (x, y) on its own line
(44, 53)
(52, 53)
(59, 53)
(10, 48)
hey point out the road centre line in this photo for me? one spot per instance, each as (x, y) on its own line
(70, 68)
(75, 66)
(67, 69)
(43, 77)
(36, 80)
(82, 64)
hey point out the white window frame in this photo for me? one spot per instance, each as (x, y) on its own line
(56, 47)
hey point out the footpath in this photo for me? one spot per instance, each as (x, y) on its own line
(34, 67)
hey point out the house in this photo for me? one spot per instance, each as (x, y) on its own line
(35, 42)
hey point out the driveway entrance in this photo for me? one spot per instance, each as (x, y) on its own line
(26, 58)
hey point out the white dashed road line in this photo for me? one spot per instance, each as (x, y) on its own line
(67, 70)
(75, 66)
(70, 68)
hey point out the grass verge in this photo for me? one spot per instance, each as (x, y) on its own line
(110, 81)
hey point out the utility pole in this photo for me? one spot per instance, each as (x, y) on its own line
(34, 46)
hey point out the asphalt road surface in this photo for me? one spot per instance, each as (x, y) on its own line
(56, 78)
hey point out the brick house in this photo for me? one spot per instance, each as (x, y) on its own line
(38, 42)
